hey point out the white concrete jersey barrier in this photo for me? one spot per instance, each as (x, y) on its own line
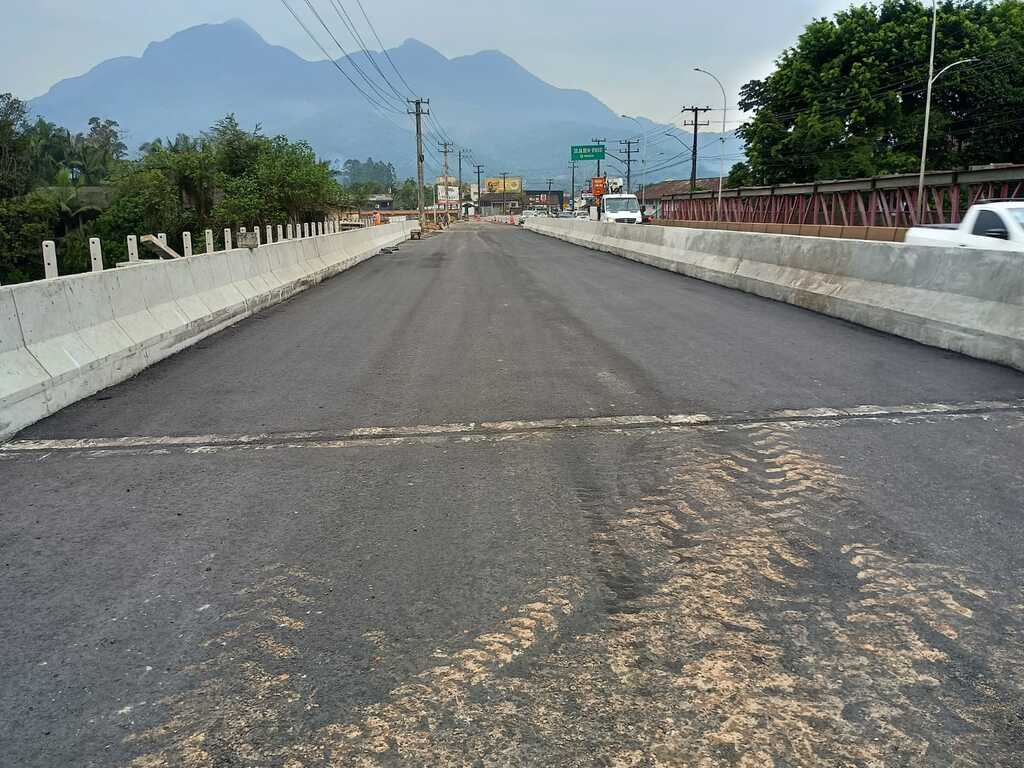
(66, 338)
(962, 300)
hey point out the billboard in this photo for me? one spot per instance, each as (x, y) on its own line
(512, 185)
(598, 186)
(447, 194)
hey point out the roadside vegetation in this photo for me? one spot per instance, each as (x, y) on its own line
(68, 187)
(848, 99)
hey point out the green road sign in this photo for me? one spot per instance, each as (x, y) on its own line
(588, 152)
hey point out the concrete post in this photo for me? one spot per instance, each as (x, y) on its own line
(186, 241)
(288, 232)
(280, 233)
(227, 239)
(133, 248)
(50, 259)
(209, 241)
(305, 229)
(162, 237)
(256, 231)
(96, 254)
(270, 234)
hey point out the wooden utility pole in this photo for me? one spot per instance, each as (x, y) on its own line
(459, 212)
(696, 126)
(479, 192)
(572, 190)
(599, 141)
(444, 146)
(504, 192)
(419, 111)
(629, 162)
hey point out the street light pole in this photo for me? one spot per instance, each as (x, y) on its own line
(643, 161)
(933, 76)
(721, 169)
(927, 114)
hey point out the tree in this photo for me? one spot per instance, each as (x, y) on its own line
(848, 99)
(13, 157)
(379, 176)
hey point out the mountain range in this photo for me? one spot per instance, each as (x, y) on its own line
(512, 120)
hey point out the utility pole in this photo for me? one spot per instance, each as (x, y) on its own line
(599, 141)
(696, 127)
(629, 162)
(459, 212)
(444, 147)
(548, 198)
(479, 192)
(572, 191)
(504, 192)
(419, 112)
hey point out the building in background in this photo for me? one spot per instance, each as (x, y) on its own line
(382, 202)
(540, 199)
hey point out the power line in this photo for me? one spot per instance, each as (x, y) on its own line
(383, 49)
(328, 56)
(373, 86)
(343, 14)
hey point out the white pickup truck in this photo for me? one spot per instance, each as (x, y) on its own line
(993, 226)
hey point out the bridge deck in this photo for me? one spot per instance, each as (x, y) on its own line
(497, 497)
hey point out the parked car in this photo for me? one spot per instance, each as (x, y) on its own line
(995, 226)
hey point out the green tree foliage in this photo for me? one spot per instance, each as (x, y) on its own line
(848, 100)
(378, 176)
(226, 177)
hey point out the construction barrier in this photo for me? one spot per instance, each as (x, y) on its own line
(967, 301)
(65, 338)
(879, 234)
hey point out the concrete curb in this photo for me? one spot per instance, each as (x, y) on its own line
(69, 337)
(965, 301)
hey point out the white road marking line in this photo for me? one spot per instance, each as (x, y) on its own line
(486, 430)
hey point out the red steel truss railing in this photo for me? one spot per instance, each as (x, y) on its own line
(882, 201)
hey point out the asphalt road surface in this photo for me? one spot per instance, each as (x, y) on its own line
(496, 500)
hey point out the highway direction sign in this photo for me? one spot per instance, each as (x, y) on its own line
(588, 152)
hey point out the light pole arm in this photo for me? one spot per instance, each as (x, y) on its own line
(946, 69)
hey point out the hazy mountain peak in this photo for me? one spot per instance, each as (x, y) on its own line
(486, 101)
(232, 35)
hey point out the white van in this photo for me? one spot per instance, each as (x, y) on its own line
(621, 209)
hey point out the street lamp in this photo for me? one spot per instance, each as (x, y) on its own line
(721, 170)
(932, 77)
(643, 163)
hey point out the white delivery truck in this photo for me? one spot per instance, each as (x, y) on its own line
(621, 209)
(995, 226)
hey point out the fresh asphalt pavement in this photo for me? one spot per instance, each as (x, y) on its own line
(495, 500)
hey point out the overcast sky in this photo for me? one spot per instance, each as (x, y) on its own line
(637, 57)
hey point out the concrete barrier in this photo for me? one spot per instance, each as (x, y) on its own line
(66, 338)
(967, 301)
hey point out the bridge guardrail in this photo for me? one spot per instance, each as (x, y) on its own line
(967, 301)
(65, 338)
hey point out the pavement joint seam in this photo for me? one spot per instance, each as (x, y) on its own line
(391, 435)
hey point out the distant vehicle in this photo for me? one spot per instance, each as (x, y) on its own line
(621, 209)
(995, 226)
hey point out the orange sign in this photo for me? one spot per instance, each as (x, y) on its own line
(598, 186)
